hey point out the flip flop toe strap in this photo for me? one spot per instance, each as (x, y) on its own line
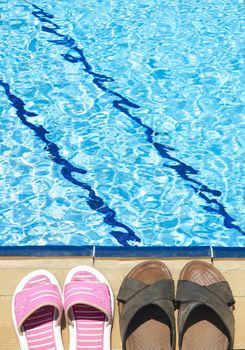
(30, 300)
(93, 294)
(135, 295)
(217, 296)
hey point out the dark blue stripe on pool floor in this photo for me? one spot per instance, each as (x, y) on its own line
(76, 55)
(95, 203)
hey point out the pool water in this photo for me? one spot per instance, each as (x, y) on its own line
(121, 123)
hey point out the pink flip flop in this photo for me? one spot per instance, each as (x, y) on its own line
(37, 311)
(89, 309)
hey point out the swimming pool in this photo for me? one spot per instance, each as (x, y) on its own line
(121, 123)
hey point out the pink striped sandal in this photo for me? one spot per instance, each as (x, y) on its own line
(37, 311)
(89, 309)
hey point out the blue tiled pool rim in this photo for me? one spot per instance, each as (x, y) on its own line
(124, 252)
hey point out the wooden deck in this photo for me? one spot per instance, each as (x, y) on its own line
(13, 269)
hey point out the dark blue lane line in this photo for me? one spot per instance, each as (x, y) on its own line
(95, 203)
(76, 55)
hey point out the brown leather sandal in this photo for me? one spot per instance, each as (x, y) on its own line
(146, 308)
(205, 319)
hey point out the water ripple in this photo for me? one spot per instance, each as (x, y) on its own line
(76, 55)
(95, 203)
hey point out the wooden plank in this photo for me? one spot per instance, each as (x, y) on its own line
(234, 272)
(13, 269)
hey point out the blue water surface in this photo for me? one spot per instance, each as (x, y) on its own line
(121, 123)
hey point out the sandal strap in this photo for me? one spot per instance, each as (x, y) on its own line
(93, 294)
(188, 291)
(132, 287)
(135, 295)
(217, 296)
(30, 300)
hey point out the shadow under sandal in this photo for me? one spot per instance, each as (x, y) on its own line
(146, 308)
(204, 298)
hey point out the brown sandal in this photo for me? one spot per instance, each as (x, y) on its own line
(205, 319)
(146, 308)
